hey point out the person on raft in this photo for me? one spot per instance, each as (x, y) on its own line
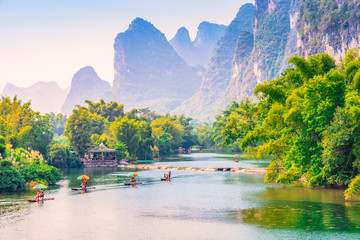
(169, 174)
(40, 195)
(166, 177)
(83, 184)
(132, 180)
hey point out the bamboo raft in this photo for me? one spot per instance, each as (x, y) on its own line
(133, 183)
(33, 200)
(165, 179)
(82, 189)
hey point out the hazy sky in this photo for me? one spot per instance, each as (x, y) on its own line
(49, 40)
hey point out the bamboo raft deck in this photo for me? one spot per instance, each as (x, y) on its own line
(40, 200)
(82, 189)
(165, 179)
(132, 183)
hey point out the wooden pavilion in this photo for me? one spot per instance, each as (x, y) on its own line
(101, 156)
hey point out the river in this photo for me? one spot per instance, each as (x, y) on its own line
(194, 205)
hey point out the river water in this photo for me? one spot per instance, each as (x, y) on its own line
(194, 205)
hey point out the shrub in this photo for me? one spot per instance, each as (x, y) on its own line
(10, 180)
(6, 163)
(354, 187)
(272, 171)
(41, 173)
(289, 177)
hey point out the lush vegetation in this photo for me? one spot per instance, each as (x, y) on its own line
(20, 167)
(138, 133)
(327, 14)
(21, 128)
(321, 16)
(58, 121)
(307, 120)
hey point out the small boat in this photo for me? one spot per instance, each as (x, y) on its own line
(165, 179)
(132, 183)
(33, 200)
(82, 189)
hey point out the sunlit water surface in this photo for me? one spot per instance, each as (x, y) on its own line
(194, 205)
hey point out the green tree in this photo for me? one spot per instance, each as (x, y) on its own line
(79, 128)
(168, 134)
(126, 131)
(205, 136)
(109, 111)
(58, 121)
(2, 147)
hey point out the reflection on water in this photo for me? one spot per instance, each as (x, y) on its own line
(302, 215)
(302, 208)
(194, 205)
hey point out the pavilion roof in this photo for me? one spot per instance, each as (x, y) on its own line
(101, 148)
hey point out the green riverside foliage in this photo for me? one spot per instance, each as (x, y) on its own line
(80, 126)
(32, 167)
(11, 180)
(137, 134)
(61, 157)
(354, 187)
(22, 127)
(308, 120)
(41, 173)
(2, 146)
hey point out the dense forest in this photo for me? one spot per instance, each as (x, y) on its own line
(306, 121)
(33, 145)
(136, 134)
(25, 137)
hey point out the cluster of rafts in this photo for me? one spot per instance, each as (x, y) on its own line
(83, 187)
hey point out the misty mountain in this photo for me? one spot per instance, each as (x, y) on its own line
(219, 71)
(45, 97)
(85, 85)
(148, 71)
(197, 52)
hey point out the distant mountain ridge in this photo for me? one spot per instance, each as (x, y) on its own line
(148, 71)
(45, 97)
(197, 52)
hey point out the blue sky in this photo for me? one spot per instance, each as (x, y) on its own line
(49, 40)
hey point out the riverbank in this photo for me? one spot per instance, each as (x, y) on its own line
(208, 169)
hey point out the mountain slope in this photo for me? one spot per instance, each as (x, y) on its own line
(148, 71)
(85, 85)
(218, 74)
(331, 26)
(183, 45)
(199, 51)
